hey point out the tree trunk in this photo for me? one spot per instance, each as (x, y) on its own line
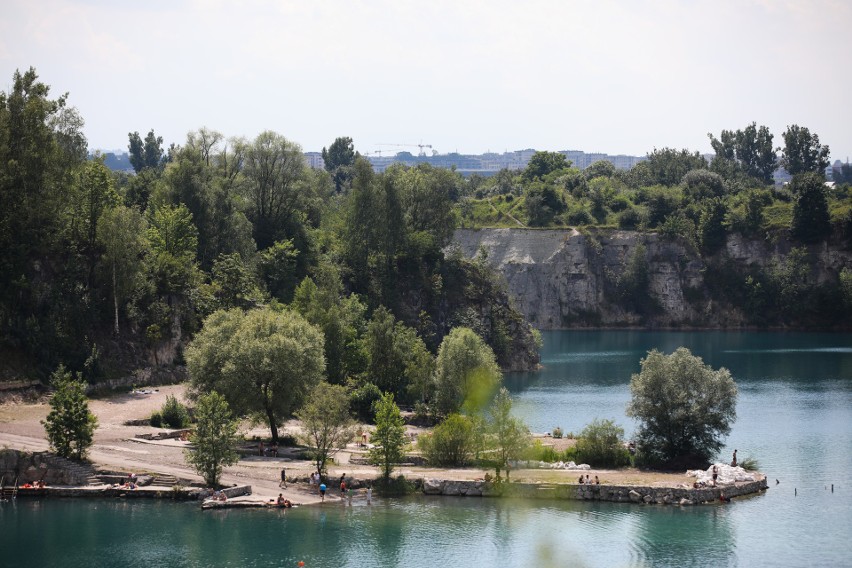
(273, 426)
(115, 297)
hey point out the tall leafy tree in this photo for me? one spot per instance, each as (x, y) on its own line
(39, 152)
(121, 234)
(802, 152)
(394, 352)
(427, 195)
(274, 170)
(174, 242)
(70, 426)
(263, 362)
(811, 219)
(147, 153)
(339, 160)
(326, 424)
(683, 406)
(466, 372)
(92, 193)
(543, 163)
(668, 166)
(389, 436)
(215, 438)
(510, 434)
(748, 150)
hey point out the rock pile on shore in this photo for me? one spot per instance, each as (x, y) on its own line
(727, 475)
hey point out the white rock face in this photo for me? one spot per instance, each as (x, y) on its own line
(558, 277)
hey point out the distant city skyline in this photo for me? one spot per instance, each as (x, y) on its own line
(607, 76)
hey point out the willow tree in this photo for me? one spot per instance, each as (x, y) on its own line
(683, 406)
(263, 362)
(466, 372)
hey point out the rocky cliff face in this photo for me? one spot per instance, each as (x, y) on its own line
(563, 278)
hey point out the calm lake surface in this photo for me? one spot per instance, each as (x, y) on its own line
(794, 417)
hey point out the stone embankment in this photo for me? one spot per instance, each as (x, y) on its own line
(28, 467)
(612, 493)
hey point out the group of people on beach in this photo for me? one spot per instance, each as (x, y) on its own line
(588, 481)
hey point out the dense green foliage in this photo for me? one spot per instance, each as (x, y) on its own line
(683, 406)
(214, 439)
(465, 373)
(326, 424)
(389, 436)
(262, 362)
(510, 437)
(107, 271)
(69, 425)
(452, 443)
(174, 414)
(601, 444)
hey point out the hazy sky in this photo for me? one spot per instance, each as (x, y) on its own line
(467, 76)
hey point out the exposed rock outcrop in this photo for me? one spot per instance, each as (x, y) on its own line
(564, 278)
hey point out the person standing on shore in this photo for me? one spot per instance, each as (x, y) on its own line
(322, 492)
(283, 482)
(734, 461)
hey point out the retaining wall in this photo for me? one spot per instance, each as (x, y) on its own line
(613, 493)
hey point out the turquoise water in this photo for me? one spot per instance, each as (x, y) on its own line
(794, 417)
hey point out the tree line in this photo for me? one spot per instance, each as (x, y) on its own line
(104, 271)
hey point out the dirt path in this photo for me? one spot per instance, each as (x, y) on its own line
(116, 448)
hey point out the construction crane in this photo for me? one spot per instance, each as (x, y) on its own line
(420, 146)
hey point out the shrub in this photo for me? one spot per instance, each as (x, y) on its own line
(557, 432)
(579, 216)
(629, 218)
(451, 443)
(600, 445)
(749, 464)
(174, 414)
(156, 419)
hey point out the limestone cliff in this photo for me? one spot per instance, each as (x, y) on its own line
(564, 278)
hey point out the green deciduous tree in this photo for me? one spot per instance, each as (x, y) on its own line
(394, 354)
(70, 426)
(121, 234)
(146, 153)
(326, 424)
(274, 171)
(339, 161)
(174, 242)
(668, 166)
(510, 436)
(749, 151)
(543, 203)
(802, 152)
(214, 439)
(263, 362)
(811, 220)
(466, 372)
(683, 406)
(389, 437)
(544, 163)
